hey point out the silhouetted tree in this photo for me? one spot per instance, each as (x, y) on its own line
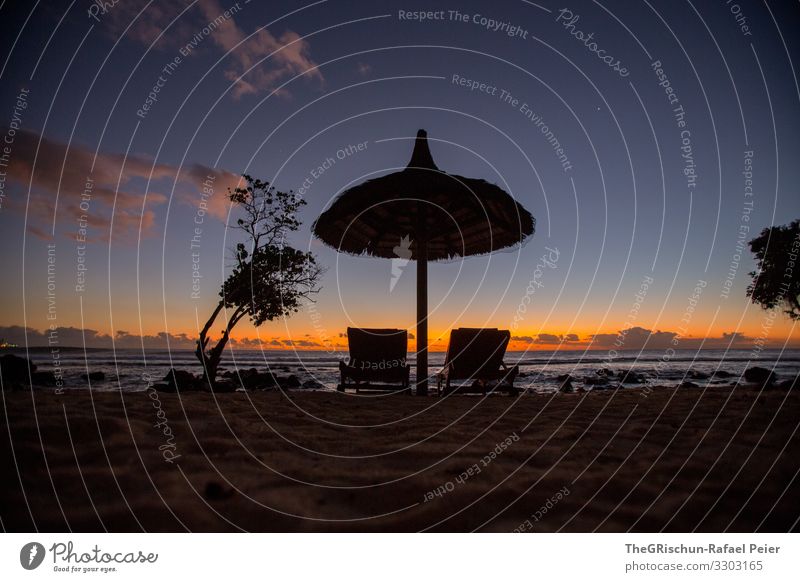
(776, 280)
(270, 279)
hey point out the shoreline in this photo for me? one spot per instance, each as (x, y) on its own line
(289, 371)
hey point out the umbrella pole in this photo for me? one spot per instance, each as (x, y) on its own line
(422, 317)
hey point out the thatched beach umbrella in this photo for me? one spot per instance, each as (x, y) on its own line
(440, 216)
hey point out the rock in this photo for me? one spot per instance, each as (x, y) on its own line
(252, 379)
(94, 376)
(722, 374)
(183, 381)
(685, 384)
(566, 386)
(788, 384)
(595, 381)
(760, 376)
(178, 376)
(696, 375)
(313, 385)
(596, 387)
(170, 388)
(564, 378)
(267, 380)
(605, 372)
(16, 371)
(291, 382)
(43, 379)
(631, 377)
(222, 386)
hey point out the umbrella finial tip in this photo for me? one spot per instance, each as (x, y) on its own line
(421, 156)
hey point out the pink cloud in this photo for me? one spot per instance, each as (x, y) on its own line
(115, 183)
(218, 203)
(286, 56)
(145, 26)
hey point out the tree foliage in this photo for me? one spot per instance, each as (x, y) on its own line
(776, 280)
(270, 279)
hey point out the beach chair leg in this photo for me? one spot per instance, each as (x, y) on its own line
(342, 378)
(513, 390)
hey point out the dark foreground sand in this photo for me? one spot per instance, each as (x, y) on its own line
(673, 460)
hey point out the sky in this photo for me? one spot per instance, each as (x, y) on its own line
(650, 140)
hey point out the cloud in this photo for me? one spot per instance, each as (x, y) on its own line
(110, 185)
(76, 337)
(301, 343)
(254, 62)
(286, 56)
(144, 25)
(307, 344)
(735, 337)
(363, 69)
(547, 338)
(220, 182)
(635, 338)
(247, 342)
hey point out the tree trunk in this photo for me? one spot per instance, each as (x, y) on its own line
(210, 359)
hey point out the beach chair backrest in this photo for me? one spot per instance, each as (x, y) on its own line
(473, 351)
(377, 347)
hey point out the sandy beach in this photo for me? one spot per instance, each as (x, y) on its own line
(722, 459)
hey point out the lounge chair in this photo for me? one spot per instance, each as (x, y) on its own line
(377, 360)
(476, 356)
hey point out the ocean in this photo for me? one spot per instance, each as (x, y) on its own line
(124, 369)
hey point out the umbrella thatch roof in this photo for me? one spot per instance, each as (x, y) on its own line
(459, 216)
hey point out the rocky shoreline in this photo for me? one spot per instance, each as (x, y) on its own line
(19, 373)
